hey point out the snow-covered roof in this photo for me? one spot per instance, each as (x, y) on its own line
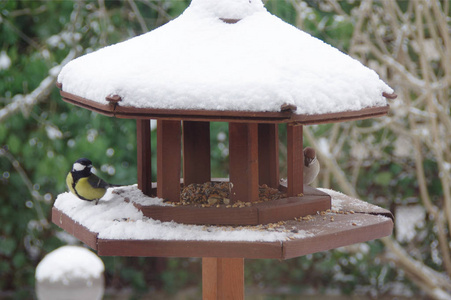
(203, 61)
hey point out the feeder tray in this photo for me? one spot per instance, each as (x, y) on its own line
(349, 221)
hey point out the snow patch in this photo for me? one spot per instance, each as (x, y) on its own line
(69, 262)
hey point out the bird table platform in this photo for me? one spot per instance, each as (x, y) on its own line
(115, 227)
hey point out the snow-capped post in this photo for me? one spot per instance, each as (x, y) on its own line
(246, 67)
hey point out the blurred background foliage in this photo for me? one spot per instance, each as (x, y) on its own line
(41, 136)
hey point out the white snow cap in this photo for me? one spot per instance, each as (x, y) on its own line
(69, 262)
(198, 61)
(230, 9)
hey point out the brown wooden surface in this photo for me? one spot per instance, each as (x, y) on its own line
(295, 160)
(144, 156)
(268, 155)
(342, 231)
(243, 161)
(283, 209)
(324, 234)
(222, 278)
(172, 248)
(225, 116)
(168, 159)
(196, 152)
(77, 230)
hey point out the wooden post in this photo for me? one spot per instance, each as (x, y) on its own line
(168, 159)
(243, 161)
(268, 154)
(295, 160)
(222, 278)
(144, 156)
(196, 152)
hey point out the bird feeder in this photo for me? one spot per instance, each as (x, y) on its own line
(226, 61)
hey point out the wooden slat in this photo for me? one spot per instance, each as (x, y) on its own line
(295, 158)
(224, 116)
(243, 161)
(196, 152)
(180, 248)
(268, 154)
(342, 231)
(77, 230)
(365, 113)
(222, 278)
(168, 159)
(144, 156)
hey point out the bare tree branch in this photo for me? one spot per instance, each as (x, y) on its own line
(26, 102)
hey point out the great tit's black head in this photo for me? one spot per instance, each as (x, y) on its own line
(82, 167)
(309, 155)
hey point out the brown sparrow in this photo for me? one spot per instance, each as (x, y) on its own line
(311, 165)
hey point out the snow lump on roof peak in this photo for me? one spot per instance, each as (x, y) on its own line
(229, 9)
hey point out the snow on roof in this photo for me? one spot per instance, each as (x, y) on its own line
(198, 61)
(69, 262)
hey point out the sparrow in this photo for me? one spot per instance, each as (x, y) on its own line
(84, 184)
(311, 165)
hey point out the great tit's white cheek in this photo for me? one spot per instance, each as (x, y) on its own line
(78, 167)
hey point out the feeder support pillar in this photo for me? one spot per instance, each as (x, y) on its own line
(144, 156)
(243, 161)
(196, 152)
(168, 159)
(268, 154)
(222, 278)
(295, 160)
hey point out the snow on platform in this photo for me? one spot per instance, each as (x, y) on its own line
(226, 56)
(116, 227)
(114, 218)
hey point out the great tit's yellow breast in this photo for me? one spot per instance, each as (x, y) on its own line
(70, 182)
(87, 191)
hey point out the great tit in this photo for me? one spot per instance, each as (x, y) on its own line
(311, 165)
(84, 184)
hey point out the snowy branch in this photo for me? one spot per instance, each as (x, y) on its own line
(25, 102)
